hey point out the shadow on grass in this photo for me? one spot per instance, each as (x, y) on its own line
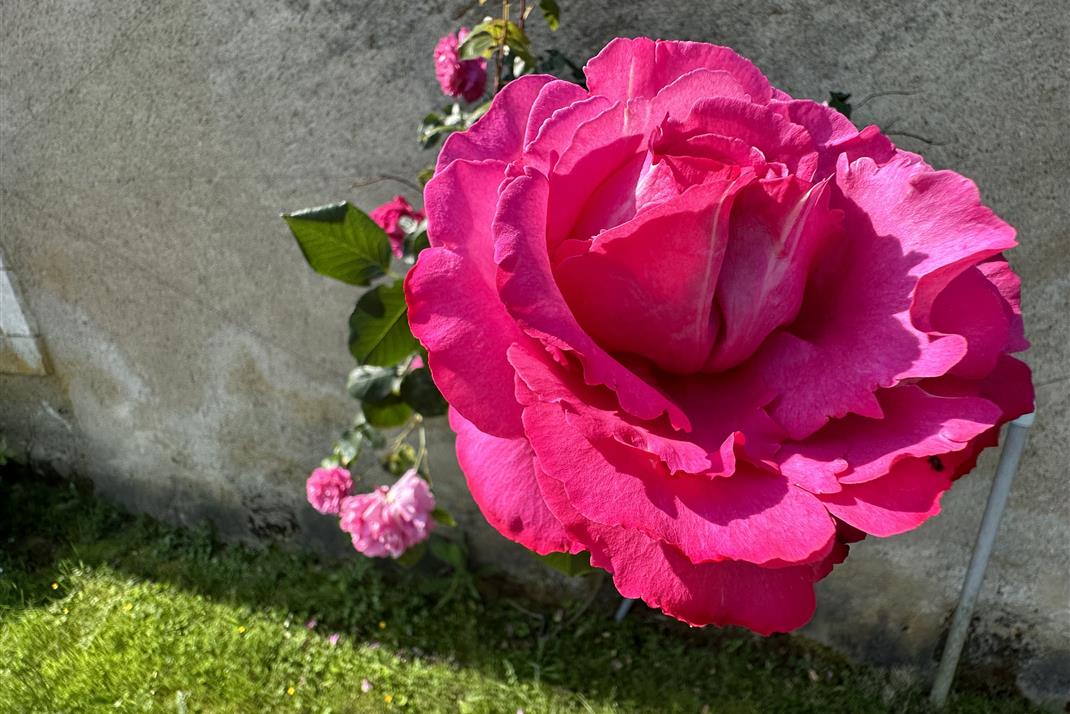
(649, 662)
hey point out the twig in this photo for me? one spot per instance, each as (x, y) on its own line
(930, 142)
(889, 93)
(387, 177)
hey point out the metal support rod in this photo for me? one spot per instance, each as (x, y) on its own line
(982, 550)
(622, 611)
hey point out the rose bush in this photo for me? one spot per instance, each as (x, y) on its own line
(372, 251)
(706, 332)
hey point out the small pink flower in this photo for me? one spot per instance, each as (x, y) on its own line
(333, 639)
(389, 216)
(389, 521)
(311, 624)
(366, 686)
(459, 78)
(326, 488)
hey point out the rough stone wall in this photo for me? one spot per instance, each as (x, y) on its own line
(197, 365)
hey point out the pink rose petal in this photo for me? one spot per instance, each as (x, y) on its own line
(640, 67)
(453, 304)
(501, 476)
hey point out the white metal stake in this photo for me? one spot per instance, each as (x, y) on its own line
(982, 550)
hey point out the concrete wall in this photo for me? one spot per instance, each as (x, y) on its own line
(198, 365)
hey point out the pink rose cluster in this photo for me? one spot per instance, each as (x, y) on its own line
(457, 77)
(721, 333)
(389, 217)
(389, 521)
(385, 522)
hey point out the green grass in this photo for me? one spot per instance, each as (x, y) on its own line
(102, 611)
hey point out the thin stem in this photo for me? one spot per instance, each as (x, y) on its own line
(523, 13)
(413, 422)
(387, 177)
(930, 142)
(356, 456)
(421, 455)
(499, 58)
(890, 93)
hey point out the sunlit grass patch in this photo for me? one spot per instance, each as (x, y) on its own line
(100, 611)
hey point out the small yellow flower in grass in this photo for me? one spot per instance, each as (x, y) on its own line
(241, 629)
(290, 691)
(55, 586)
(127, 607)
(65, 611)
(388, 698)
(382, 625)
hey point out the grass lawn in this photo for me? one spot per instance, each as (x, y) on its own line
(102, 611)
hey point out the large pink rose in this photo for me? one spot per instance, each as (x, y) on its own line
(707, 332)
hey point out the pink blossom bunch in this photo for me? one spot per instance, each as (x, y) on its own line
(326, 488)
(707, 332)
(389, 217)
(457, 77)
(389, 521)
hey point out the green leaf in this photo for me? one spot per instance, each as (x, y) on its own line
(386, 414)
(839, 102)
(450, 553)
(341, 242)
(348, 448)
(418, 390)
(551, 12)
(480, 42)
(412, 556)
(379, 327)
(487, 36)
(371, 384)
(425, 175)
(372, 435)
(579, 564)
(443, 517)
(518, 43)
(434, 126)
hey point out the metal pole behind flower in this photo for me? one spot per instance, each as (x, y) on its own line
(982, 550)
